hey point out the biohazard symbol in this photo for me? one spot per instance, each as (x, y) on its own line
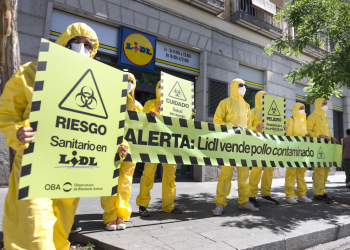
(177, 93)
(320, 154)
(85, 98)
(274, 110)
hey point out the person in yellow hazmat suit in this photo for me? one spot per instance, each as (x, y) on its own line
(147, 179)
(38, 223)
(233, 111)
(255, 174)
(317, 126)
(117, 208)
(296, 126)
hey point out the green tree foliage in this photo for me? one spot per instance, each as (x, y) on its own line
(317, 21)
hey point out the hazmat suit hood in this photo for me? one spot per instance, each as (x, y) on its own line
(296, 125)
(79, 29)
(150, 105)
(130, 103)
(256, 113)
(157, 93)
(317, 122)
(233, 110)
(234, 88)
(318, 106)
(259, 99)
(296, 113)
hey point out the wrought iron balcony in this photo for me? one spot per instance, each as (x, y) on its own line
(212, 6)
(253, 23)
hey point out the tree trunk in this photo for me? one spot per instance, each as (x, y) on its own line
(10, 59)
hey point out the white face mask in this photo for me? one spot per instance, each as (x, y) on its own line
(130, 87)
(80, 48)
(242, 90)
(159, 91)
(302, 111)
(324, 108)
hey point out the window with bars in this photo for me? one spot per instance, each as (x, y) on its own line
(217, 92)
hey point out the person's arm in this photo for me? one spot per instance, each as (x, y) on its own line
(13, 103)
(124, 149)
(290, 126)
(220, 114)
(310, 126)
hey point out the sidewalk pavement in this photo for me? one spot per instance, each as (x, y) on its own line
(283, 226)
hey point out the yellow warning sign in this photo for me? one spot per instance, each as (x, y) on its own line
(274, 110)
(177, 97)
(274, 114)
(85, 97)
(79, 113)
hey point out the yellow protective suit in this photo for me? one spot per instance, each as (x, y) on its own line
(232, 111)
(255, 174)
(317, 124)
(118, 205)
(147, 179)
(297, 126)
(40, 223)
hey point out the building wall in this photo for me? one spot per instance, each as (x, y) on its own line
(222, 45)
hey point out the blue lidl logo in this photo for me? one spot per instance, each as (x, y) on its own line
(137, 50)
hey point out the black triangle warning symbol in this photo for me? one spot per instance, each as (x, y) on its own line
(85, 98)
(274, 110)
(320, 154)
(177, 93)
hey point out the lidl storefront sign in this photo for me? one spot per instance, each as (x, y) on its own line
(137, 50)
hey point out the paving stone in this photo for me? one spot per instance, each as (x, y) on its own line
(114, 12)
(174, 32)
(140, 21)
(86, 5)
(153, 25)
(127, 16)
(101, 8)
(73, 3)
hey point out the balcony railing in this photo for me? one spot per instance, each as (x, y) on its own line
(213, 6)
(254, 18)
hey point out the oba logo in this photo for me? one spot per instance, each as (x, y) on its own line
(138, 49)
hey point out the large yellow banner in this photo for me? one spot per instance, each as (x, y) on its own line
(78, 113)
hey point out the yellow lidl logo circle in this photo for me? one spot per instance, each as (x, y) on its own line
(138, 49)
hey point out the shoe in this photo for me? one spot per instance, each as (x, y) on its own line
(249, 206)
(75, 228)
(291, 200)
(269, 199)
(304, 199)
(143, 211)
(111, 226)
(325, 198)
(254, 201)
(218, 210)
(177, 211)
(120, 224)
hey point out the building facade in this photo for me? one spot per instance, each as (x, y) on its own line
(209, 42)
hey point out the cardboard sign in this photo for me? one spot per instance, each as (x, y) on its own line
(177, 97)
(78, 113)
(178, 141)
(274, 114)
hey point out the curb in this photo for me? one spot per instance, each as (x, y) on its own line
(294, 243)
